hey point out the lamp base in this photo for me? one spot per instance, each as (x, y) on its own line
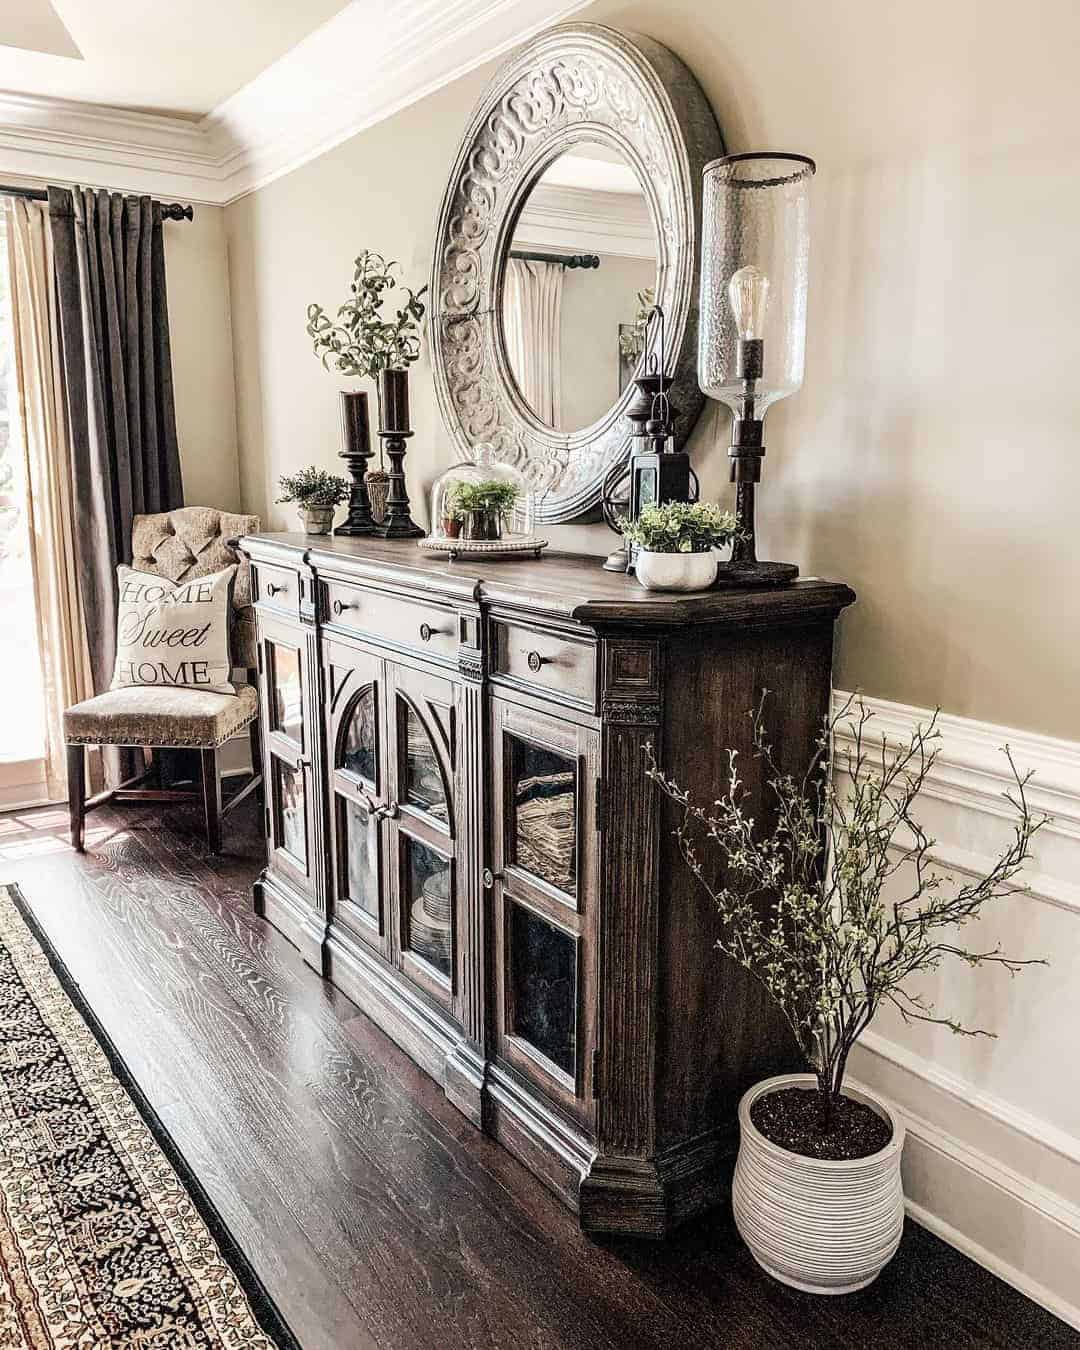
(747, 574)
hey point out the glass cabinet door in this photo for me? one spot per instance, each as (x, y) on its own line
(545, 858)
(282, 694)
(422, 829)
(354, 681)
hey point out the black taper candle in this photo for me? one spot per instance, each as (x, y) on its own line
(394, 400)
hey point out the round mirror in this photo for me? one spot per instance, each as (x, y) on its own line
(587, 143)
(579, 275)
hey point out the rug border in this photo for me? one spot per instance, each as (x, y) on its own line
(263, 1307)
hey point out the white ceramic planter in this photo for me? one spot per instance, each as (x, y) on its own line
(821, 1226)
(675, 571)
(317, 519)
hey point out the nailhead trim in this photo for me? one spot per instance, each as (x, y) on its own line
(190, 744)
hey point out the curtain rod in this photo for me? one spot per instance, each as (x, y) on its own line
(585, 260)
(169, 210)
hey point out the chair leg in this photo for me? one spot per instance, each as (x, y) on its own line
(76, 773)
(211, 790)
(256, 758)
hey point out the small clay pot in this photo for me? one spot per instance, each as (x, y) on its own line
(317, 519)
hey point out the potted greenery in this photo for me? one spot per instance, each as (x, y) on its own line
(477, 510)
(675, 543)
(834, 907)
(364, 342)
(316, 494)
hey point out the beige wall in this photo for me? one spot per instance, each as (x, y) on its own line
(201, 340)
(931, 457)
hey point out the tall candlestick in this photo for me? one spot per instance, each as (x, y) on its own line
(394, 414)
(357, 438)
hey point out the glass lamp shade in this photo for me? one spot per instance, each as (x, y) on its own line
(483, 500)
(755, 251)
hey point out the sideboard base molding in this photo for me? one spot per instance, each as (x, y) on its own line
(294, 918)
(425, 1035)
(548, 1146)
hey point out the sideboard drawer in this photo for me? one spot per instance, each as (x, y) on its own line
(387, 618)
(278, 588)
(551, 663)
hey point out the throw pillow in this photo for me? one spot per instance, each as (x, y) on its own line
(174, 635)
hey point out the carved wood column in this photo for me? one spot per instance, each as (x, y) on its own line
(622, 1190)
(467, 1062)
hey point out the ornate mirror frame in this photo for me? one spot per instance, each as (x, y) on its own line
(575, 83)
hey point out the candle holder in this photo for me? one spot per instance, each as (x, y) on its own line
(357, 437)
(394, 415)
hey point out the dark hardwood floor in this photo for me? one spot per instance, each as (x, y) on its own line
(374, 1213)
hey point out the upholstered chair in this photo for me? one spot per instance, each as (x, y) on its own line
(180, 545)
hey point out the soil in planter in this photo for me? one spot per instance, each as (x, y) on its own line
(791, 1117)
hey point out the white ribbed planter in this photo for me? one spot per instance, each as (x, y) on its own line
(825, 1227)
(675, 571)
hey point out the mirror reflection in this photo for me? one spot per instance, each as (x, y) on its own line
(581, 271)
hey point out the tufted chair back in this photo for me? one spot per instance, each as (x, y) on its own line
(193, 541)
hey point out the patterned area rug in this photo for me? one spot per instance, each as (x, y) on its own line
(106, 1237)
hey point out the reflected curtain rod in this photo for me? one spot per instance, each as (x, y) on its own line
(585, 260)
(169, 210)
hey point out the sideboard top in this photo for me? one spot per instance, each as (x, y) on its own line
(569, 585)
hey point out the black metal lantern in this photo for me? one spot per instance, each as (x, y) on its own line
(655, 471)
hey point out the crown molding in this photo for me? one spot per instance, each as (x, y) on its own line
(366, 63)
(577, 220)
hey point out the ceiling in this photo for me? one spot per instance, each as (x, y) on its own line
(157, 56)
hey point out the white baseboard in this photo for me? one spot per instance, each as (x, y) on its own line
(992, 1159)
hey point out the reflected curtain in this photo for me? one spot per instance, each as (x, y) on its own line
(117, 368)
(65, 657)
(532, 315)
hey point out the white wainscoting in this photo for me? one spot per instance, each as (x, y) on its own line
(992, 1162)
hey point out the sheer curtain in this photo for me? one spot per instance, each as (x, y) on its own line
(532, 313)
(62, 640)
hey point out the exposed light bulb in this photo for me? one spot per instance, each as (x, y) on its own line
(748, 291)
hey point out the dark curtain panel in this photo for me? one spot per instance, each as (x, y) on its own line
(117, 366)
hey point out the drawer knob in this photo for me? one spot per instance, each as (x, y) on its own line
(536, 661)
(271, 589)
(340, 606)
(427, 632)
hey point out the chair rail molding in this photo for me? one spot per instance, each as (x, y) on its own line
(992, 1163)
(311, 99)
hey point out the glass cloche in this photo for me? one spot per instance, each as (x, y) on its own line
(482, 504)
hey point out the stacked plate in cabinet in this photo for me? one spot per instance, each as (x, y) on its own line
(429, 920)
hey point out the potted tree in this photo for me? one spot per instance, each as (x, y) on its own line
(834, 908)
(316, 494)
(478, 509)
(362, 341)
(676, 543)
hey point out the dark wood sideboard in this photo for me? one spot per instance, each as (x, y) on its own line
(461, 836)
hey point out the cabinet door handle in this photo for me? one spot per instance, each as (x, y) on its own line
(272, 590)
(340, 606)
(489, 878)
(535, 661)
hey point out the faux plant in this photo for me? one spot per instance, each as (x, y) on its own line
(679, 527)
(361, 340)
(492, 497)
(632, 343)
(313, 487)
(836, 906)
